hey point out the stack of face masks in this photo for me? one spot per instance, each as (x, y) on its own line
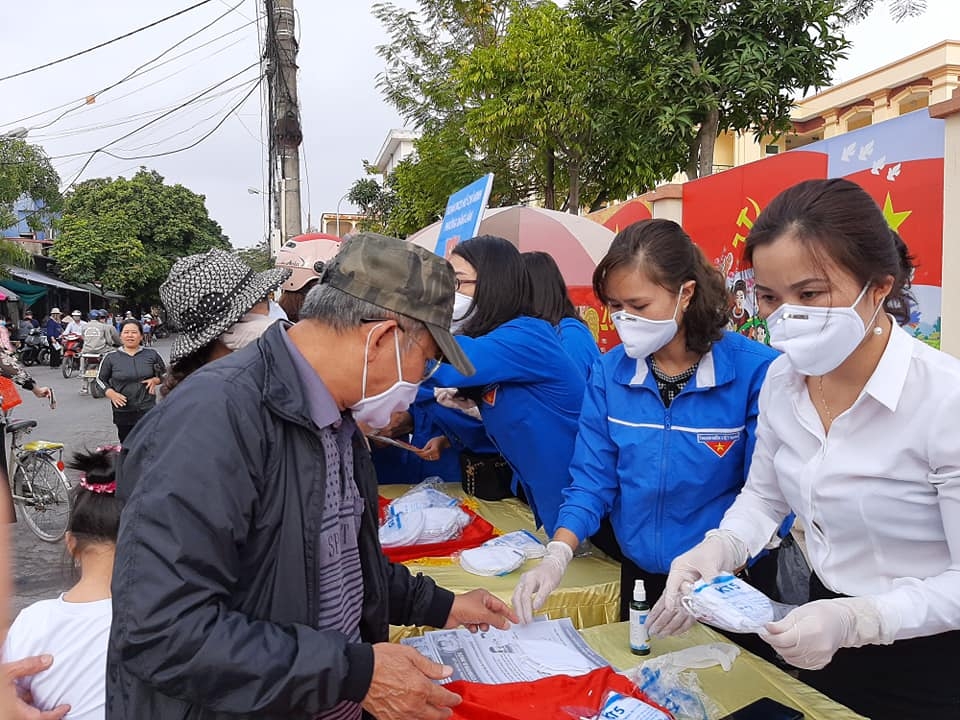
(502, 555)
(728, 603)
(422, 516)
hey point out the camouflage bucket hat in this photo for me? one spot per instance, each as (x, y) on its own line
(404, 278)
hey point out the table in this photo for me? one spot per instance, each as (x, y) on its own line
(749, 679)
(589, 594)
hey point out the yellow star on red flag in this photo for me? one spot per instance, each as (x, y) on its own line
(894, 219)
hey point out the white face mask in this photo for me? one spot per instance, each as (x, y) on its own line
(817, 340)
(461, 307)
(250, 327)
(376, 410)
(642, 337)
(728, 603)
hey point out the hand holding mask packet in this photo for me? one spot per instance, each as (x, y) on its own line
(730, 604)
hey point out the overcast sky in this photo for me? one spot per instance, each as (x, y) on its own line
(344, 118)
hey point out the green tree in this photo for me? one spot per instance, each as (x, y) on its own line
(721, 66)
(258, 257)
(899, 9)
(25, 170)
(143, 222)
(549, 88)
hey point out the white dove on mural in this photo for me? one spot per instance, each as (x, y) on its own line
(866, 151)
(878, 165)
(848, 152)
(893, 173)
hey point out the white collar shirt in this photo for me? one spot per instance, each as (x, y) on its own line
(879, 496)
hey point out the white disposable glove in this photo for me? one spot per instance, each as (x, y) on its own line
(721, 552)
(447, 398)
(536, 585)
(808, 637)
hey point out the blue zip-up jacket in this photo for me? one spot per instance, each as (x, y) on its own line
(578, 341)
(664, 475)
(532, 393)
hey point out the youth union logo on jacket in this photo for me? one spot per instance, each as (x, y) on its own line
(490, 396)
(720, 443)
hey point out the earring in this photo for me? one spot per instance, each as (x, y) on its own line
(878, 330)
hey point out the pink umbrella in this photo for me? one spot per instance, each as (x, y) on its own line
(576, 243)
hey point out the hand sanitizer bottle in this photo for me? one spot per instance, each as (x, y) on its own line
(639, 610)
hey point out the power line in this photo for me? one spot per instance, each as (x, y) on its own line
(134, 72)
(104, 44)
(198, 140)
(103, 148)
(144, 72)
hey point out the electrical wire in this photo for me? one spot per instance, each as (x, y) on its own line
(144, 72)
(133, 72)
(103, 148)
(104, 44)
(198, 140)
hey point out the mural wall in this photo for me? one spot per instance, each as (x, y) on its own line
(899, 162)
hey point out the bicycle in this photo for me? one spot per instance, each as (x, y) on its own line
(38, 484)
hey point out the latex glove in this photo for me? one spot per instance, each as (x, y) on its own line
(809, 636)
(536, 585)
(447, 398)
(721, 552)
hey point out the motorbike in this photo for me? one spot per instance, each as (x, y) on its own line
(72, 347)
(89, 368)
(162, 330)
(35, 348)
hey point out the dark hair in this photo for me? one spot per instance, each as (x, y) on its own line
(740, 286)
(131, 321)
(95, 514)
(669, 257)
(292, 300)
(177, 372)
(548, 292)
(502, 291)
(838, 219)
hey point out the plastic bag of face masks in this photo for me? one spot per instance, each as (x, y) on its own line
(667, 680)
(422, 515)
(617, 706)
(730, 604)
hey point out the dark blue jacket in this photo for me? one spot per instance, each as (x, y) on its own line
(531, 395)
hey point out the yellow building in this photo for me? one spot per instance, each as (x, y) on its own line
(925, 78)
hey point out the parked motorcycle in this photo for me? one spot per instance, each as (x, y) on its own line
(162, 330)
(72, 347)
(89, 368)
(35, 348)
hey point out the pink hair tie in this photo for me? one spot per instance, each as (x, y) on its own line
(115, 447)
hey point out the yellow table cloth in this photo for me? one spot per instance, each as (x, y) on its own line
(589, 594)
(750, 678)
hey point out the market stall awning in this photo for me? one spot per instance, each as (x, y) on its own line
(8, 295)
(34, 276)
(29, 294)
(108, 294)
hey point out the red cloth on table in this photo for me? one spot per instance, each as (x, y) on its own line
(542, 699)
(475, 534)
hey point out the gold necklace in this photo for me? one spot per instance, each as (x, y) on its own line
(823, 400)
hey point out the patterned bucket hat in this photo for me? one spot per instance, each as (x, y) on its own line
(205, 294)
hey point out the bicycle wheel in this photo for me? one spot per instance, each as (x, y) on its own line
(69, 366)
(43, 496)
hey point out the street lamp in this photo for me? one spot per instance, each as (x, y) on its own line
(17, 133)
(344, 197)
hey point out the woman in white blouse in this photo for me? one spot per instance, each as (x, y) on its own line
(859, 434)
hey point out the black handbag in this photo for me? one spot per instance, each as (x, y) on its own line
(486, 475)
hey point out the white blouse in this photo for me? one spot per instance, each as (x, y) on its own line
(879, 497)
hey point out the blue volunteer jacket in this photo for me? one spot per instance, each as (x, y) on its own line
(578, 341)
(664, 475)
(532, 392)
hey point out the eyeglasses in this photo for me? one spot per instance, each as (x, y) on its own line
(460, 282)
(431, 365)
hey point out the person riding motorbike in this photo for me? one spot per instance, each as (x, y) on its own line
(99, 336)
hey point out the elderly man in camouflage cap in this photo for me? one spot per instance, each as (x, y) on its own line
(249, 579)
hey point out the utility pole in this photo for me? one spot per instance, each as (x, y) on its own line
(284, 118)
